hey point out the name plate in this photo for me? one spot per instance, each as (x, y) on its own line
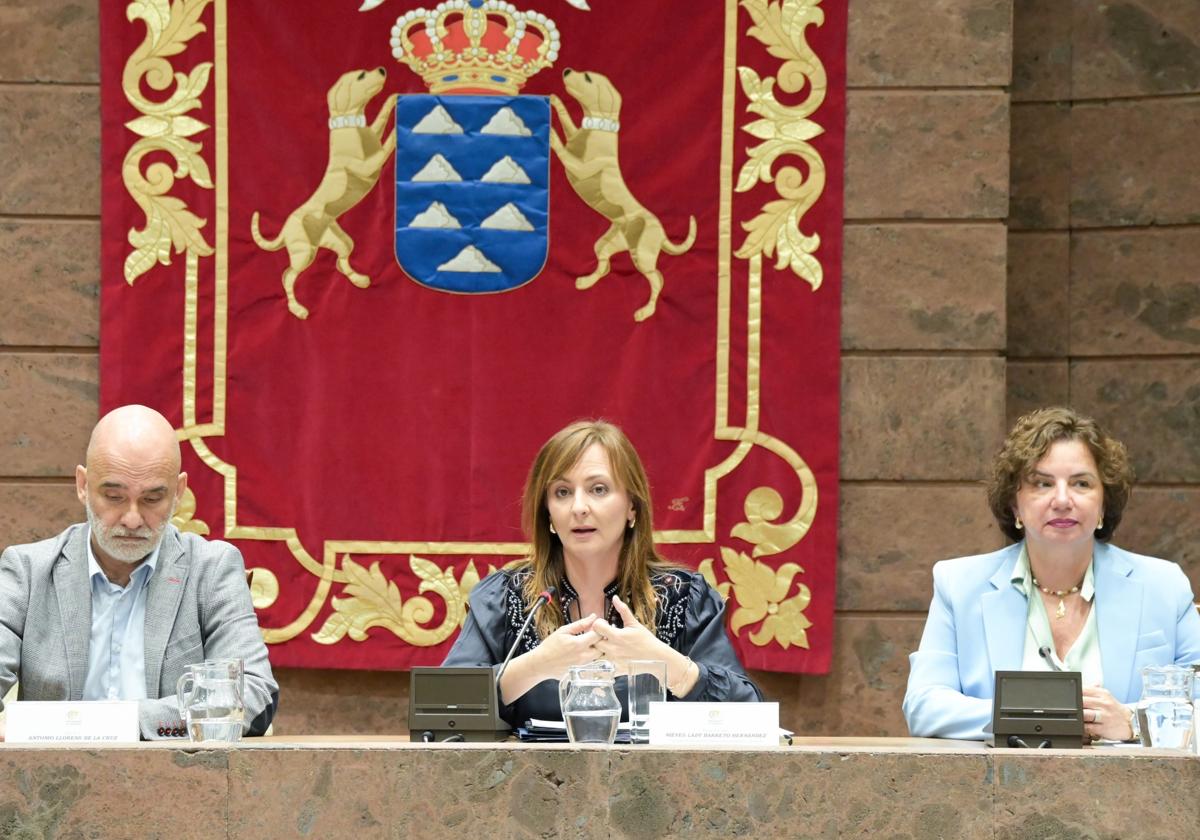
(50, 722)
(715, 724)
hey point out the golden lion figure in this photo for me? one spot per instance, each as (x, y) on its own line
(589, 156)
(357, 153)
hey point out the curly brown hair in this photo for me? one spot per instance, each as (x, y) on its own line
(1030, 440)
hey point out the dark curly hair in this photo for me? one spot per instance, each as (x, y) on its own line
(1030, 440)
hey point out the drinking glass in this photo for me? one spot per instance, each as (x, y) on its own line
(1196, 708)
(647, 684)
(1165, 711)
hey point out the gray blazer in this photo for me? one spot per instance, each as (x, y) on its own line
(197, 607)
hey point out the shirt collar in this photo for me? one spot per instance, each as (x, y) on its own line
(151, 562)
(567, 595)
(1022, 576)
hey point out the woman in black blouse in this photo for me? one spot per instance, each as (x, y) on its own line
(586, 512)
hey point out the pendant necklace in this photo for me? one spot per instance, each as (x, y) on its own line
(1061, 593)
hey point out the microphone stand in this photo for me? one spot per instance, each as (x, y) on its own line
(546, 597)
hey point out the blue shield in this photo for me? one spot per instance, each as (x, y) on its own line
(472, 190)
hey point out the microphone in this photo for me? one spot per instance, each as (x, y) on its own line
(1017, 741)
(546, 597)
(1044, 652)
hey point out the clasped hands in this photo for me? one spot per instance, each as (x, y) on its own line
(591, 637)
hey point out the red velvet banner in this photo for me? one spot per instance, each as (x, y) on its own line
(367, 259)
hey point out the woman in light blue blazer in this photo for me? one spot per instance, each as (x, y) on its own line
(1061, 598)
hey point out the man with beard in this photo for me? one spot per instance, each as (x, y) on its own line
(117, 608)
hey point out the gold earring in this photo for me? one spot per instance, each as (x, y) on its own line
(1100, 524)
(552, 531)
(630, 524)
(1018, 523)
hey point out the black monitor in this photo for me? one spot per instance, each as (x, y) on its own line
(1038, 709)
(452, 702)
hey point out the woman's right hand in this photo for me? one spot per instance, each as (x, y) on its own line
(571, 644)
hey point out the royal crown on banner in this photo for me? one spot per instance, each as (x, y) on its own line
(475, 46)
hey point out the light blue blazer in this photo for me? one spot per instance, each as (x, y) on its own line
(976, 626)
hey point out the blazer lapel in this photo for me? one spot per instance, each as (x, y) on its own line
(1118, 617)
(162, 605)
(73, 589)
(1004, 615)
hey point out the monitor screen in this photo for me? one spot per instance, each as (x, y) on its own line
(465, 689)
(1039, 690)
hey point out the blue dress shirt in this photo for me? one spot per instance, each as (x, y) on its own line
(117, 650)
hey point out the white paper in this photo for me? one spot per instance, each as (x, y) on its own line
(48, 722)
(715, 724)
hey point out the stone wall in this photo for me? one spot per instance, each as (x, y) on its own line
(1104, 242)
(1084, 296)
(923, 340)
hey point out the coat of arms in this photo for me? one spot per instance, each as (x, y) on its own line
(473, 158)
(346, 287)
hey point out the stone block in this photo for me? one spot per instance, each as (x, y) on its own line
(1022, 780)
(1162, 522)
(1135, 48)
(31, 512)
(1041, 51)
(1039, 268)
(50, 41)
(666, 793)
(113, 792)
(50, 140)
(920, 418)
(1035, 385)
(510, 792)
(910, 796)
(1135, 292)
(50, 288)
(861, 695)
(927, 155)
(923, 287)
(1041, 166)
(50, 404)
(1153, 407)
(963, 43)
(326, 702)
(357, 793)
(1133, 163)
(890, 536)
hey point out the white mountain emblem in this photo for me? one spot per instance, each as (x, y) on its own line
(470, 259)
(507, 217)
(435, 216)
(437, 169)
(437, 121)
(505, 121)
(505, 171)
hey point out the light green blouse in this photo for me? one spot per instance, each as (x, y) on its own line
(1084, 655)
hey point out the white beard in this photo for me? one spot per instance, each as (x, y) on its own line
(123, 552)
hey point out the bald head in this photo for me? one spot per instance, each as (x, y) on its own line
(130, 486)
(136, 433)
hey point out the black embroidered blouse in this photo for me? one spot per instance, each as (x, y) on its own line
(689, 617)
